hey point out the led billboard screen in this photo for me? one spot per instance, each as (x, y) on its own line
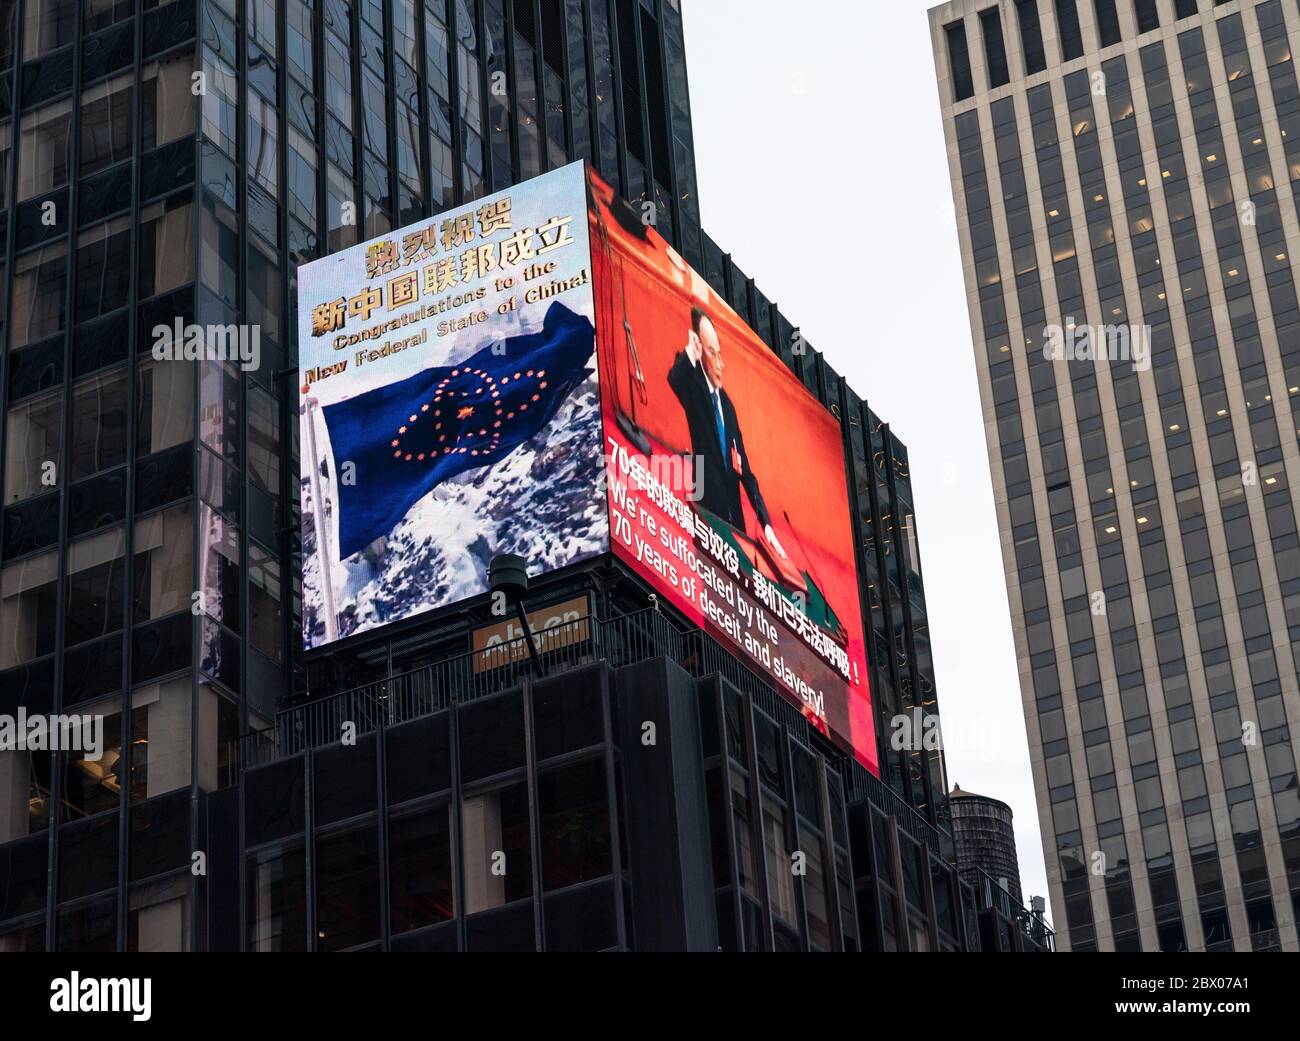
(726, 478)
(449, 407)
(540, 373)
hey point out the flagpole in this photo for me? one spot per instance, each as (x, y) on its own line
(312, 406)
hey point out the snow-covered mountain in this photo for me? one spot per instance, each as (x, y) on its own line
(545, 501)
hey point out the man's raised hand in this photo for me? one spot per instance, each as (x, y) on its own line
(694, 349)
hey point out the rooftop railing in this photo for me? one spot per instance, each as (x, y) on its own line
(990, 893)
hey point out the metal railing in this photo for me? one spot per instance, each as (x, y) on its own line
(990, 893)
(464, 677)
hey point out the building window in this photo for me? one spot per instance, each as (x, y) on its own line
(963, 85)
(90, 928)
(96, 573)
(404, 30)
(100, 14)
(1148, 15)
(995, 51)
(105, 124)
(573, 822)
(263, 134)
(39, 295)
(277, 901)
(780, 879)
(158, 917)
(260, 25)
(265, 596)
(94, 785)
(32, 461)
(220, 245)
(167, 100)
(28, 606)
(219, 567)
(220, 103)
(302, 177)
(43, 150)
(98, 424)
(419, 869)
(6, 151)
(1031, 36)
(338, 80)
(163, 571)
(1067, 24)
(347, 888)
(264, 441)
(166, 250)
(164, 406)
(103, 269)
(374, 113)
(298, 39)
(497, 855)
(1107, 22)
(48, 24)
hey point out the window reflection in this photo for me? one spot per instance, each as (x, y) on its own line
(265, 596)
(39, 306)
(780, 879)
(158, 917)
(106, 114)
(167, 100)
(347, 888)
(96, 572)
(164, 406)
(498, 858)
(166, 246)
(163, 571)
(573, 811)
(98, 424)
(43, 150)
(93, 785)
(28, 597)
(277, 901)
(48, 24)
(419, 869)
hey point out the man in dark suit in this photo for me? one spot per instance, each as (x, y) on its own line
(721, 465)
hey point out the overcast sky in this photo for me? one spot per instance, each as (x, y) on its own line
(822, 170)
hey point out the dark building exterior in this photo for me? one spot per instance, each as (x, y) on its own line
(177, 162)
(986, 839)
(1129, 167)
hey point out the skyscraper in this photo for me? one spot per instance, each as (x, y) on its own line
(1124, 175)
(166, 168)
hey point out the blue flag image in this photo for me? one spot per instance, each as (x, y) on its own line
(406, 438)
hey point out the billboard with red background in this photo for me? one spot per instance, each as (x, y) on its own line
(726, 479)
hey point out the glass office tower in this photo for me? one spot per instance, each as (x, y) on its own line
(1130, 167)
(169, 166)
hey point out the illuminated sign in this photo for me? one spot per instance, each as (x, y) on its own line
(449, 407)
(566, 624)
(726, 478)
(541, 373)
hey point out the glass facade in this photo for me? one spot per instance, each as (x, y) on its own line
(168, 165)
(1136, 185)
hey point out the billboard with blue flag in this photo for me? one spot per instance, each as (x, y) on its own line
(449, 406)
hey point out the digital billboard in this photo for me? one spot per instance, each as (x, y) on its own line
(449, 407)
(540, 373)
(725, 478)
